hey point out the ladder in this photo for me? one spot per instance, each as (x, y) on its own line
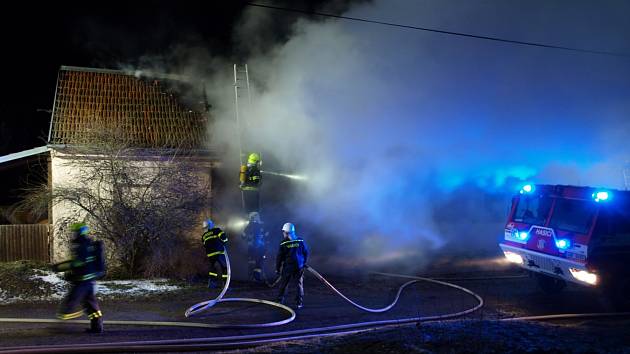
(242, 105)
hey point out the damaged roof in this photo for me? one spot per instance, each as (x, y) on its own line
(146, 112)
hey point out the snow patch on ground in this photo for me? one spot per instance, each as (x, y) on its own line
(50, 286)
(134, 287)
(52, 281)
(6, 298)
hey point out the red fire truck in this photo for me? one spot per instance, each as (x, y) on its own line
(572, 234)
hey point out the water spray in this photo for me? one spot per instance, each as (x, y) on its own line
(237, 223)
(295, 177)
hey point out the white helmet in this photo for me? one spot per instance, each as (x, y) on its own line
(254, 217)
(289, 228)
(208, 224)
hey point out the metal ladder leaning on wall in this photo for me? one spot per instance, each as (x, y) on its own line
(242, 105)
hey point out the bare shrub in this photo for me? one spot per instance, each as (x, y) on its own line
(141, 202)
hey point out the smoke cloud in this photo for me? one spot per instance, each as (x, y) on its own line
(412, 142)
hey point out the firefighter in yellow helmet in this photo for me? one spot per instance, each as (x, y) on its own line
(250, 181)
(82, 270)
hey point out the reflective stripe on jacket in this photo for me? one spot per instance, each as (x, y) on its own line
(82, 266)
(214, 241)
(292, 256)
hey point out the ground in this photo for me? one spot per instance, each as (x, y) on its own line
(479, 332)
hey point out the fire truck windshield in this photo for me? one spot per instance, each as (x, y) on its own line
(573, 215)
(532, 209)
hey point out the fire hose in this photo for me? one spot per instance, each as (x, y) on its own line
(262, 338)
(202, 306)
(243, 340)
(205, 305)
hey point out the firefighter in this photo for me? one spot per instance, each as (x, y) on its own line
(255, 236)
(291, 262)
(250, 181)
(82, 270)
(214, 240)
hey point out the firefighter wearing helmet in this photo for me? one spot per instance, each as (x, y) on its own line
(256, 238)
(250, 181)
(82, 270)
(291, 262)
(214, 240)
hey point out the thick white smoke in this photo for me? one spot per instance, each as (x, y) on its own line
(410, 140)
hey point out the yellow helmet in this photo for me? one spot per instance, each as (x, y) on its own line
(253, 158)
(80, 227)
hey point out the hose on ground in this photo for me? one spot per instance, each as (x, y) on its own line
(241, 341)
(205, 305)
(246, 340)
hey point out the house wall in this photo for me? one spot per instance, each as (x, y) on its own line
(65, 171)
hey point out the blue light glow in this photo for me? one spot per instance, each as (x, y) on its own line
(563, 244)
(520, 235)
(601, 196)
(528, 188)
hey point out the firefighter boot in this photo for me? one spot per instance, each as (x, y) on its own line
(96, 325)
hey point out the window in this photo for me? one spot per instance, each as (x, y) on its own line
(613, 227)
(532, 209)
(573, 215)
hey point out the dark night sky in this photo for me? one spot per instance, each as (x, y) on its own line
(74, 35)
(41, 38)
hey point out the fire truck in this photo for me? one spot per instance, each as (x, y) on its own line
(572, 234)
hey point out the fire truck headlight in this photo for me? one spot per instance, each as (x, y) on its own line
(563, 243)
(601, 196)
(513, 257)
(583, 275)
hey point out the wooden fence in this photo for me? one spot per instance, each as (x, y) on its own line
(24, 242)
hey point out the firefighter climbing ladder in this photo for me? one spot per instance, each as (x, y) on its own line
(242, 106)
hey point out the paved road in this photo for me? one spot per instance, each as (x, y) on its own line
(503, 297)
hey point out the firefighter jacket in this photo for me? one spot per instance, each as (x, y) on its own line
(292, 255)
(214, 241)
(254, 232)
(84, 263)
(252, 177)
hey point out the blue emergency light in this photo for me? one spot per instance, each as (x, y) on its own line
(601, 196)
(563, 244)
(528, 188)
(520, 235)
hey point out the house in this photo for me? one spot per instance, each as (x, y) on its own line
(152, 115)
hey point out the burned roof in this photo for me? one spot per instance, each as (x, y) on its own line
(147, 112)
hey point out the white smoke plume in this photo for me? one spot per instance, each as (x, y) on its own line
(412, 141)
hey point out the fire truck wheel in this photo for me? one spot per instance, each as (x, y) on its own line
(550, 285)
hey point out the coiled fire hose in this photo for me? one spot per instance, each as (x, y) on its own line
(205, 305)
(239, 341)
(242, 340)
